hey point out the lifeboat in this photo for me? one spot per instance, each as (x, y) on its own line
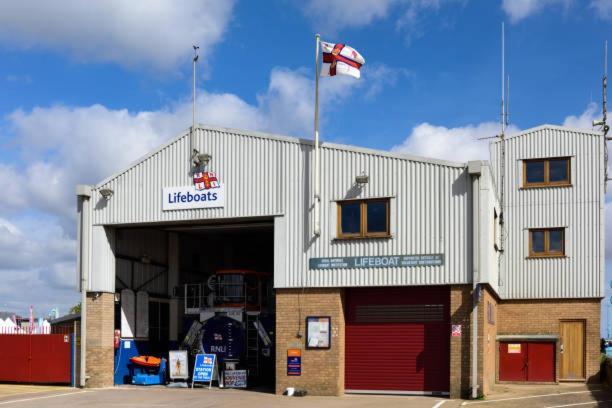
(146, 361)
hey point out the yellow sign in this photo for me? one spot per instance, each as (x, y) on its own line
(514, 348)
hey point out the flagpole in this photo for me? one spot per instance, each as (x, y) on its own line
(193, 113)
(317, 181)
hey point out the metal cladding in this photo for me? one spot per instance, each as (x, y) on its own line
(436, 207)
(268, 176)
(578, 208)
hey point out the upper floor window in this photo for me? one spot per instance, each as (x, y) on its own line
(546, 242)
(363, 218)
(546, 172)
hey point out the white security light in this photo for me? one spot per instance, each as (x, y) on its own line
(200, 159)
(362, 179)
(106, 192)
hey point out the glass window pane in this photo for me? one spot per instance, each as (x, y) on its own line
(535, 171)
(557, 170)
(555, 241)
(537, 241)
(350, 218)
(377, 216)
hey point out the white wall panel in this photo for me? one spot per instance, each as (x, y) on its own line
(579, 208)
(267, 176)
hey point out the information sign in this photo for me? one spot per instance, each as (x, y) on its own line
(235, 378)
(294, 362)
(514, 348)
(204, 369)
(179, 368)
(318, 332)
(392, 261)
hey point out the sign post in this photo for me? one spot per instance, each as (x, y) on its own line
(204, 369)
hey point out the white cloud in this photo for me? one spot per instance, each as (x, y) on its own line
(460, 144)
(136, 32)
(518, 10)
(347, 13)
(58, 147)
(332, 16)
(603, 8)
(585, 120)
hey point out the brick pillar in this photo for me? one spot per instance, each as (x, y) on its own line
(460, 309)
(99, 347)
(322, 370)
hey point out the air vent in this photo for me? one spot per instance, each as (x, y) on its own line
(399, 313)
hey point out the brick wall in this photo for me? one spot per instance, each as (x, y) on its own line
(99, 339)
(460, 309)
(322, 370)
(544, 316)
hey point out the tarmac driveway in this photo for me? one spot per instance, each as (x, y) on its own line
(551, 396)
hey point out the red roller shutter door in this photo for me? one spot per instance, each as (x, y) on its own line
(398, 339)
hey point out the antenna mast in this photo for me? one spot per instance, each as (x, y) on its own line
(502, 147)
(604, 121)
(503, 79)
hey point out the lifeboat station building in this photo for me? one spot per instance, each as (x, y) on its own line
(414, 275)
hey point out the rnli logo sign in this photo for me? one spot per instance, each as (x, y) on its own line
(205, 180)
(206, 192)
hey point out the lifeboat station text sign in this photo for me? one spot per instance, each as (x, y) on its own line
(189, 197)
(392, 261)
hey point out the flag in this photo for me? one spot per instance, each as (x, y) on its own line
(340, 59)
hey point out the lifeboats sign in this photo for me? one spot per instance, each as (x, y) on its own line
(189, 197)
(392, 261)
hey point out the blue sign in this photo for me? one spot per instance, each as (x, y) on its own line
(294, 362)
(203, 368)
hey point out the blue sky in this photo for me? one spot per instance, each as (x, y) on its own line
(115, 78)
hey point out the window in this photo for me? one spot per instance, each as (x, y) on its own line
(546, 172)
(363, 218)
(548, 242)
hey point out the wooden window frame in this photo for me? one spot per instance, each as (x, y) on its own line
(363, 222)
(547, 252)
(547, 182)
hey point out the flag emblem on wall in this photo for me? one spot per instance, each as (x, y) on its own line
(205, 180)
(340, 59)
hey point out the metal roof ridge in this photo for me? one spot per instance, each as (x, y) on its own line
(273, 136)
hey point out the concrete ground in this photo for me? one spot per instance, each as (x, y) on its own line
(504, 396)
(550, 396)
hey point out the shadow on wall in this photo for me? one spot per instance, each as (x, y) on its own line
(101, 204)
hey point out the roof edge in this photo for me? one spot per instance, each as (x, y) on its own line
(283, 138)
(552, 127)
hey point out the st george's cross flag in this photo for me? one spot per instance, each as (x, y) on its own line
(340, 59)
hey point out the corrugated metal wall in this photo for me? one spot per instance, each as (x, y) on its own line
(428, 212)
(579, 208)
(272, 176)
(250, 167)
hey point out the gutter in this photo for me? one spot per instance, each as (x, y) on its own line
(474, 170)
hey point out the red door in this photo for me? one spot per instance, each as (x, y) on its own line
(527, 361)
(398, 339)
(35, 358)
